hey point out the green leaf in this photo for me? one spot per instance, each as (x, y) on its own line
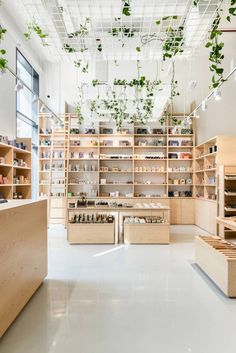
(138, 49)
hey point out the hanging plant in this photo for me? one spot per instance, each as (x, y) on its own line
(216, 55)
(126, 7)
(78, 65)
(3, 60)
(68, 48)
(33, 27)
(78, 113)
(81, 33)
(195, 3)
(231, 10)
(173, 43)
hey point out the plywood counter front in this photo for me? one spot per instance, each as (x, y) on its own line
(23, 255)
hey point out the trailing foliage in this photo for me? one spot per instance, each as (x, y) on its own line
(81, 33)
(3, 60)
(33, 27)
(68, 48)
(78, 65)
(195, 2)
(173, 43)
(231, 10)
(126, 7)
(216, 55)
(78, 113)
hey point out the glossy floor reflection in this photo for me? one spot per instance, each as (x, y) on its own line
(129, 299)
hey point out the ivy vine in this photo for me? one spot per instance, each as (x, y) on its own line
(231, 10)
(3, 60)
(78, 113)
(126, 7)
(33, 27)
(216, 55)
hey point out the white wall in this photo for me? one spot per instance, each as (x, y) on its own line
(13, 39)
(220, 117)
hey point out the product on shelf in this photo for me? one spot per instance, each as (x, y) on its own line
(17, 195)
(90, 131)
(115, 156)
(45, 131)
(2, 160)
(74, 131)
(4, 180)
(91, 218)
(150, 155)
(45, 142)
(176, 193)
(18, 162)
(20, 179)
(143, 220)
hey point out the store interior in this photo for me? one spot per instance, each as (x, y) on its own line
(117, 176)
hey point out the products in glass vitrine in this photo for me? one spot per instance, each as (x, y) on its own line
(91, 218)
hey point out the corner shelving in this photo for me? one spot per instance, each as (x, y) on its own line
(15, 170)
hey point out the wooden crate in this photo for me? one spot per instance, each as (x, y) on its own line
(82, 233)
(217, 258)
(146, 233)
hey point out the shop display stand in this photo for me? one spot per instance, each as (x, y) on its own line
(217, 258)
(134, 162)
(227, 198)
(53, 166)
(15, 171)
(209, 156)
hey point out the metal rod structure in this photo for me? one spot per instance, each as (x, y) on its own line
(212, 92)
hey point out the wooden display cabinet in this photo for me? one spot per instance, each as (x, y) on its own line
(148, 233)
(210, 155)
(217, 259)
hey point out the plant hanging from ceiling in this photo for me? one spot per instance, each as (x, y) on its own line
(33, 27)
(121, 31)
(126, 7)
(195, 3)
(173, 43)
(147, 38)
(216, 55)
(3, 60)
(78, 113)
(81, 33)
(231, 10)
(83, 68)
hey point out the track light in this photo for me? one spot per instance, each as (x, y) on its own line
(2, 72)
(19, 86)
(35, 98)
(217, 94)
(204, 106)
(42, 108)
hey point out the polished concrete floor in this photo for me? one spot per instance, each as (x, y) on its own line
(125, 299)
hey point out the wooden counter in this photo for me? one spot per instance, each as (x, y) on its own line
(23, 255)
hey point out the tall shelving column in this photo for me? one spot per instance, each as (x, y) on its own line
(58, 173)
(180, 149)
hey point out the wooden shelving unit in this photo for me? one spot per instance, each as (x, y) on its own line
(227, 198)
(15, 171)
(53, 166)
(209, 156)
(136, 162)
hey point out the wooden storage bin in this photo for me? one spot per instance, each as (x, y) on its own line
(217, 258)
(147, 233)
(94, 233)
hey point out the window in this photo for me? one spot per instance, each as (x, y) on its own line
(27, 111)
(26, 106)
